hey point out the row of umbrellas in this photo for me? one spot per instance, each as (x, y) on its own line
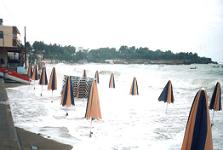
(198, 134)
(67, 99)
(33, 74)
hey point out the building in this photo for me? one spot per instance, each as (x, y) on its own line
(12, 53)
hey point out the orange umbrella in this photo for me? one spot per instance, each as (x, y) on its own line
(43, 78)
(97, 76)
(134, 87)
(67, 98)
(52, 81)
(112, 81)
(93, 110)
(35, 75)
(167, 94)
(198, 135)
(215, 103)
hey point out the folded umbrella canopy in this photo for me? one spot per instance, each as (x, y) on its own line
(215, 103)
(198, 135)
(167, 94)
(67, 98)
(134, 87)
(43, 79)
(30, 72)
(84, 74)
(112, 81)
(52, 81)
(93, 110)
(35, 75)
(97, 76)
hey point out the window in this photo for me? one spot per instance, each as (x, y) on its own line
(1, 35)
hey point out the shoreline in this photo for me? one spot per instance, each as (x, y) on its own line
(26, 140)
(29, 139)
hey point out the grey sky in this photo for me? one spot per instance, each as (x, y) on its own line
(178, 25)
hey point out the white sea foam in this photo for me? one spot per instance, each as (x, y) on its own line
(128, 122)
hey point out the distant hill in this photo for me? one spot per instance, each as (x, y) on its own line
(124, 54)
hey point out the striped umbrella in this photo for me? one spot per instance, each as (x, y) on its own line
(43, 79)
(198, 135)
(134, 87)
(30, 72)
(97, 76)
(35, 75)
(167, 94)
(215, 103)
(67, 98)
(93, 110)
(84, 74)
(112, 81)
(52, 81)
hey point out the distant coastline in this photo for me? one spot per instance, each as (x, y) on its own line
(133, 61)
(39, 51)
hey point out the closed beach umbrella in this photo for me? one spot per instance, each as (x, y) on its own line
(93, 110)
(215, 103)
(30, 72)
(43, 79)
(134, 87)
(67, 98)
(84, 74)
(167, 94)
(35, 75)
(198, 135)
(97, 76)
(52, 81)
(112, 81)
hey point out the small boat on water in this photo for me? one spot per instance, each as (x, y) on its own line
(14, 76)
(193, 67)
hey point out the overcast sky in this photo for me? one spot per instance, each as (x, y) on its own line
(177, 25)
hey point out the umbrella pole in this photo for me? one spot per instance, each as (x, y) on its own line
(166, 107)
(52, 97)
(34, 84)
(66, 113)
(41, 90)
(90, 134)
(212, 122)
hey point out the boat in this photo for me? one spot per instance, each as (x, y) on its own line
(193, 67)
(14, 76)
(2, 72)
(13, 55)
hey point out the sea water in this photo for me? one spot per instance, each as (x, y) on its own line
(128, 122)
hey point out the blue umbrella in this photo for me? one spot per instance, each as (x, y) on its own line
(198, 135)
(67, 98)
(112, 81)
(134, 88)
(167, 94)
(97, 76)
(215, 103)
(52, 81)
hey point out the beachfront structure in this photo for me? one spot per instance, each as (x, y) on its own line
(12, 53)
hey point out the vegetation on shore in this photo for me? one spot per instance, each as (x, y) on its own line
(124, 54)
